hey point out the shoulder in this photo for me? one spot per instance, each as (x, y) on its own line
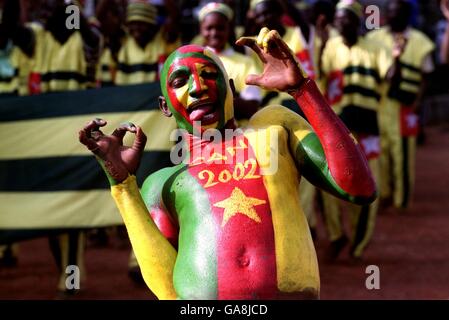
(378, 34)
(421, 39)
(276, 115)
(155, 182)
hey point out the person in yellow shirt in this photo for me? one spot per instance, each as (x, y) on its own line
(110, 15)
(268, 13)
(60, 60)
(145, 48)
(354, 70)
(16, 50)
(215, 26)
(399, 115)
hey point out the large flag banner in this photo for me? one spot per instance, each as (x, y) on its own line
(48, 180)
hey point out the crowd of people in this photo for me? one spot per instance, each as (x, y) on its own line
(375, 80)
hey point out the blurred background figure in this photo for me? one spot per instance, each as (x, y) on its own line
(411, 51)
(270, 13)
(215, 29)
(16, 50)
(110, 15)
(147, 44)
(59, 62)
(444, 51)
(353, 72)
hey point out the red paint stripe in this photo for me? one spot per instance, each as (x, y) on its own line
(245, 248)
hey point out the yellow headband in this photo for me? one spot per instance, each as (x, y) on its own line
(141, 11)
(351, 5)
(215, 7)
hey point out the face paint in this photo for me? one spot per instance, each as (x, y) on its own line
(196, 89)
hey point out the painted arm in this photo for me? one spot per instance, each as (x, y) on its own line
(155, 254)
(329, 157)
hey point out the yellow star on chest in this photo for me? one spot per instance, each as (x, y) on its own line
(238, 202)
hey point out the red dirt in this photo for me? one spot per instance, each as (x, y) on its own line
(410, 248)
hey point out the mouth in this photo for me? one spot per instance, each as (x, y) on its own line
(204, 111)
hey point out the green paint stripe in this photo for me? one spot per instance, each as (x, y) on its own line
(317, 172)
(195, 273)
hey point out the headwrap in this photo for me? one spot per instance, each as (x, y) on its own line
(352, 5)
(254, 3)
(215, 7)
(141, 11)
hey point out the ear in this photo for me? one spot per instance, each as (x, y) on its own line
(231, 84)
(164, 107)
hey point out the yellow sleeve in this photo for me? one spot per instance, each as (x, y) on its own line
(155, 255)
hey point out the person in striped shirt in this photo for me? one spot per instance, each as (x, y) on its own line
(354, 72)
(146, 46)
(411, 50)
(226, 222)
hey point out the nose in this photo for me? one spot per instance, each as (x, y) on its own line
(197, 86)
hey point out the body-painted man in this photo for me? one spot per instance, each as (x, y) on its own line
(223, 224)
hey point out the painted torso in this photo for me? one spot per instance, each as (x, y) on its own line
(230, 216)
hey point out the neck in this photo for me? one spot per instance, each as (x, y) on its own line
(199, 140)
(350, 39)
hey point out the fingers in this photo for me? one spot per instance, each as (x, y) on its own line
(261, 37)
(140, 141)
(85, 135)
(121, 131)
(267, 38)
(251, 43)
(254, 80)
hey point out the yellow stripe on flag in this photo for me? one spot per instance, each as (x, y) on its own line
(35, 210)
(51, 137)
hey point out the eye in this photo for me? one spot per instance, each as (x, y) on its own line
(209, 74)
(179, 82)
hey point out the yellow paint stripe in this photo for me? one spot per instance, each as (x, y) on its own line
(31, 210)
(296, 263)
(156, 256)
(59, 136)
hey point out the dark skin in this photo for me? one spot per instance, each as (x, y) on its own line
(56, 24)
(348, 25)
(322, 17)
(11, 28)
(142, 32)
(215, 30)
(398, 18)
(398, 15)
(110, 13)
(281, 72)
(268, 14)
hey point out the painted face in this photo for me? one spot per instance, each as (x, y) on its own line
(196, 89)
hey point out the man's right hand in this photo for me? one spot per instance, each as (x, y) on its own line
(117, 160)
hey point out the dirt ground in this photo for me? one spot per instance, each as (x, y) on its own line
(410, 248)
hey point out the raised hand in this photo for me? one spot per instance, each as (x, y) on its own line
(117, 160)
(400, 42)
(282, 71)
(444, 5)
